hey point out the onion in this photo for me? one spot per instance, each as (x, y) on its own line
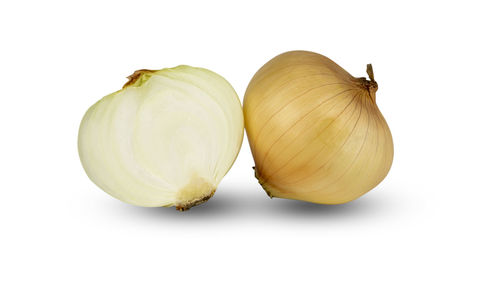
(167, 138)
(315, 132)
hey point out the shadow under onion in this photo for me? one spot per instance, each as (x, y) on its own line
(231, 203)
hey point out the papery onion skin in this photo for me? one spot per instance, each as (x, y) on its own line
(315, 132)
(167, 138)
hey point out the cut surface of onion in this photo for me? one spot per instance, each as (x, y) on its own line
(167, 138)
(315, 131)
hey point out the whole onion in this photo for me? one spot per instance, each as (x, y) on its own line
(315, 132)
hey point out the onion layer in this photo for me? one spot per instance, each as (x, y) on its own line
(167, 138)
(315, 132)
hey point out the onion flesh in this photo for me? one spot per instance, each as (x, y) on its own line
(167, 138)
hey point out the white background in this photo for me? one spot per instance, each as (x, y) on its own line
(435, 217)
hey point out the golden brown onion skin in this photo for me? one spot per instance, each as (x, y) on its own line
(315, 132)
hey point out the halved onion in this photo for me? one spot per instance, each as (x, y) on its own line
(167, 138)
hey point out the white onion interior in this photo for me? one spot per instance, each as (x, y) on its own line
(178, 129)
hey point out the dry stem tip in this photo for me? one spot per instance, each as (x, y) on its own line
(369, 70)
(136, 75)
